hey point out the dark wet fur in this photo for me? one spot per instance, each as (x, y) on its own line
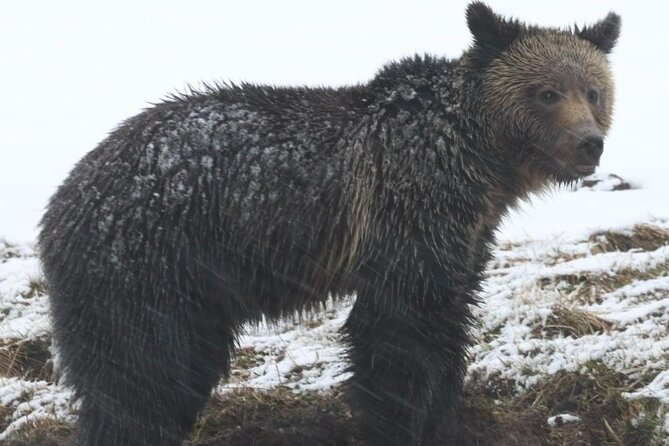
(214, 209)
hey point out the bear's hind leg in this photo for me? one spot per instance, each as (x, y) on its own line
(151, 399)
(143, 372)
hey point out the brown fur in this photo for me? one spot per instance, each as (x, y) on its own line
(248, 203)
(561, 62)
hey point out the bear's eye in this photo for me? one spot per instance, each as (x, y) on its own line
(593, 96)
(549, 97)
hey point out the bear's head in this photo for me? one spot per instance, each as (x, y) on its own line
(547, 94)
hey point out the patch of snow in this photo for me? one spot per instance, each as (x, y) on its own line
(296, 356)
(658, 388)
(637, 312)
(559, 420)
(33, 401)
(603, 182)
(21, 317)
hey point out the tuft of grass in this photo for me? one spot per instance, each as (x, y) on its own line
(36, 287)
(595, 395)
(27, 359)
(313, 323)
(8, 251)
(5, 417)
(275, 417)
(641, 237)
(246, 358)
(589, 288)
(644, 427)
(569, 321)
(42, 433)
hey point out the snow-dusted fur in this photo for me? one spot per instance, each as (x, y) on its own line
(244, 202)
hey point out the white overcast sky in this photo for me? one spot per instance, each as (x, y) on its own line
(71, 70)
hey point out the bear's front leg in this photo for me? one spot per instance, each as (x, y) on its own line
(407, 355)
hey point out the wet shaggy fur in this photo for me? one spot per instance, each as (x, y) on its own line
(248, 202)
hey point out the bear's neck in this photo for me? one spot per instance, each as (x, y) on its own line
(516, 177)
(430, 108)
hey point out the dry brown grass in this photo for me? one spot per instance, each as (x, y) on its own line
(641, 237)
(491, 414)
(589, 288)
(570, 321)
(42, 433)
(27, 359)
(36, 287)
(595, 395)
(8, 251)
(276, 417)
(281, 417)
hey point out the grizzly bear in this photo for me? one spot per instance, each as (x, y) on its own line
(244, 202)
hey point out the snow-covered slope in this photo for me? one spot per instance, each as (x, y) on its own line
(555, 301)
(549, 306)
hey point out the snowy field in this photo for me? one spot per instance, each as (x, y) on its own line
(563, 299)
(549, 307)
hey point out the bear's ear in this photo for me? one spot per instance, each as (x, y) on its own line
(492, 34)
(603, 34)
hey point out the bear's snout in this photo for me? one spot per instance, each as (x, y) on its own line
(591, 148)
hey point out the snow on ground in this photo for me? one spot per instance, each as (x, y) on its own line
(62, 93)
(558, 420)
(24, 318)
(303, 355)
(523, 296)
(528, 283)
(573, 215)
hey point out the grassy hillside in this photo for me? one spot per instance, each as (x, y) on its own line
(572, 348)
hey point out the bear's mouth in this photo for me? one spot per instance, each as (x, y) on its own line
(572, 170)
(585, 169)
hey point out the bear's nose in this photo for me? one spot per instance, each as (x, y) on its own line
(593, 146)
